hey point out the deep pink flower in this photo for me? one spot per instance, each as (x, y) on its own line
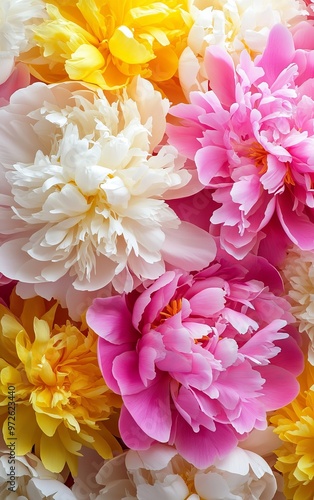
(252, 138)
(199, 359)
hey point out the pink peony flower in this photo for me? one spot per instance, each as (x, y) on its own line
(199, 359)
(252, 139)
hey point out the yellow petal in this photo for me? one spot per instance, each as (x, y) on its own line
(123, 45)
(52, 453)
(165, 65)
(84, 62)
(10, 326)
(47, 424)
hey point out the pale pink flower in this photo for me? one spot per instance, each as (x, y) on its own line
(199, 359)
(83, 193)
(252, 139)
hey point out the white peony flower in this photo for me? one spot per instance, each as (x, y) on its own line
(82, 193)
(160, 472)
(16, 18)
(25, 477)
(298, 272)
(234, 25)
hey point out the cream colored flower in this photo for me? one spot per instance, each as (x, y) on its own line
(298, 271)
(160, 473)
(84, 192)
(234, 25)
(25, 477)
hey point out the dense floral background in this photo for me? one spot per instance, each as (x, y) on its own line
(157, 249)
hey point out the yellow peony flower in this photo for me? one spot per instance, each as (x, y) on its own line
(106, 42)
(295, 427)
(50, 381)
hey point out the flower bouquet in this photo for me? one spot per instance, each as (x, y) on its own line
(157, 249)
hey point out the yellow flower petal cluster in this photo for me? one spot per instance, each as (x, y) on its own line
(107, 42)
(48, 365)
(295, 426)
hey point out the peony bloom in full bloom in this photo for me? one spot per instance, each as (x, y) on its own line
(16, 20)
(252, 139)
(298, 271)
(83, 192)
(160, 473)
(30, 479)
(234, 25)
(107, 43)
(294, 424)
(49, 369)
(199, 358)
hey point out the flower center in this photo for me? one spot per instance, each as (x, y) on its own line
(171, 309)
(259, 155)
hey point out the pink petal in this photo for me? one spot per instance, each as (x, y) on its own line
(209, 160)
(188, 247)
(208, 302)
(110, 318)
(278, 53)
(299, 228)
(202, 448)
(220, 70)
(125, 369)
(280, 387)
(150, 409)
(132, 435)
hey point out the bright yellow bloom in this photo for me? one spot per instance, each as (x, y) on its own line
(107, 42)
(49, 369)
(295, 427)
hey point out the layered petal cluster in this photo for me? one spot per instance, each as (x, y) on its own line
(234, 25)
(298, 271)
(107, 43)
(252, 139)
(198, 359)
(49, 370)
(16, 21)
(26, 477)
(82, 196)
(295, 426)
(160, 472)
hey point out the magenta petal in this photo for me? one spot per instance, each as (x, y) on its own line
(299, 228)
(107, 353)
(278, 53)
(110, 319)
(202, 448)
(150, 409)
(132, 435)
(280, 387)
(125, 369)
